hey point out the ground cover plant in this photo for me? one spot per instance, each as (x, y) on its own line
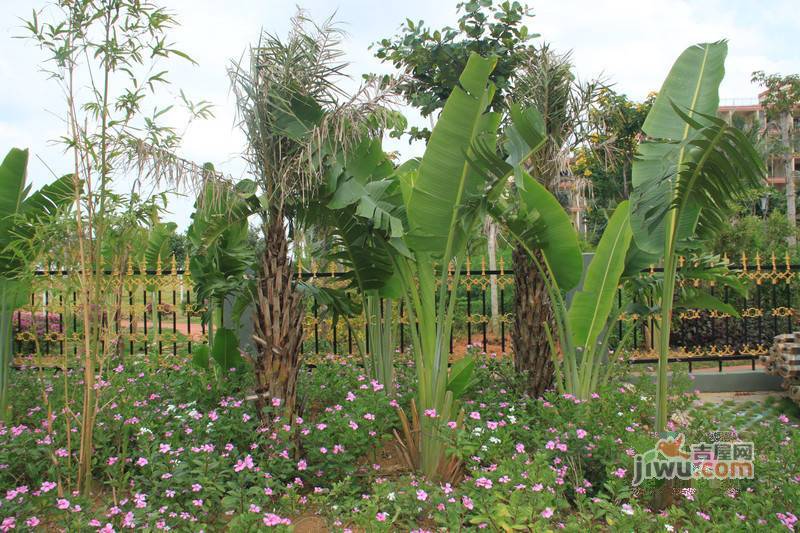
(178, 449)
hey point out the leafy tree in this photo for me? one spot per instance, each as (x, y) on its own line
(432, 60)
(616, 128)
(781, 100)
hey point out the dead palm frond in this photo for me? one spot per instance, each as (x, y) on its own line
(293, 109)
(546, 81)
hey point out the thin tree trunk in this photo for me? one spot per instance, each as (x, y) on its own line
(791, 208)
(491, 250)
(532, 312)
(278, 327)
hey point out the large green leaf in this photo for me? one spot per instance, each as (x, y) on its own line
(50, 198)
(225, 350)
(12, 182)
(158, 244)
(591, 306)
(461, 376)
(445, 178)
(559, 240)
(692, 84)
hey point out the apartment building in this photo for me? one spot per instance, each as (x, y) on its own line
(752, 112)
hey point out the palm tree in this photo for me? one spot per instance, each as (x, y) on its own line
(545, 82)
(294, 115)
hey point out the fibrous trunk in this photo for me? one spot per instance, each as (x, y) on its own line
(278, 327)
(532, 311)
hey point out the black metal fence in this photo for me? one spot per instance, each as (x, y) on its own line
(154, 312)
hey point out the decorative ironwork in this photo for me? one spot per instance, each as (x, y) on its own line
(157, 312)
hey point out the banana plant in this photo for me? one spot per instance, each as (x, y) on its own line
(19, 211)
(221, 255)
(361, 208)
(583, 329)
(459, 179)
(689, 173)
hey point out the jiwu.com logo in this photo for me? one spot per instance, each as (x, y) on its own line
(669, 459)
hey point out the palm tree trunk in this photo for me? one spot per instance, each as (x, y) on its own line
(532, 312)
(278, 327)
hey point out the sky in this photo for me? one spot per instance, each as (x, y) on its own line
(628, 43)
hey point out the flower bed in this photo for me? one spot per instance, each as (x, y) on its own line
(175, 449)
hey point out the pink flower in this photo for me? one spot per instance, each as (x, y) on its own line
(430, 413)
(62, 503)
(197, 503)
(784, 419)
(547, 513)
(197, 487)
(581, 433)
(620, 472)
(703, 515)
(276, 402)
(467, 502)
(141, 461)
(32, 522)
(422, 495)
(520, 447)
(302, 465)
(483, 482)
(475, 415)
(247, 463)
(271, 520)
(164, 448)
(381, 517)
(627, 509)
(452, 424)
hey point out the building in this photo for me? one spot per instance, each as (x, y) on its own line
(751, 113)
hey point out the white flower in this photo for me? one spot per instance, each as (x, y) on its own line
(484, 448)
(669, 527)
(512, 419)
(391, 496)
(494, 440)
